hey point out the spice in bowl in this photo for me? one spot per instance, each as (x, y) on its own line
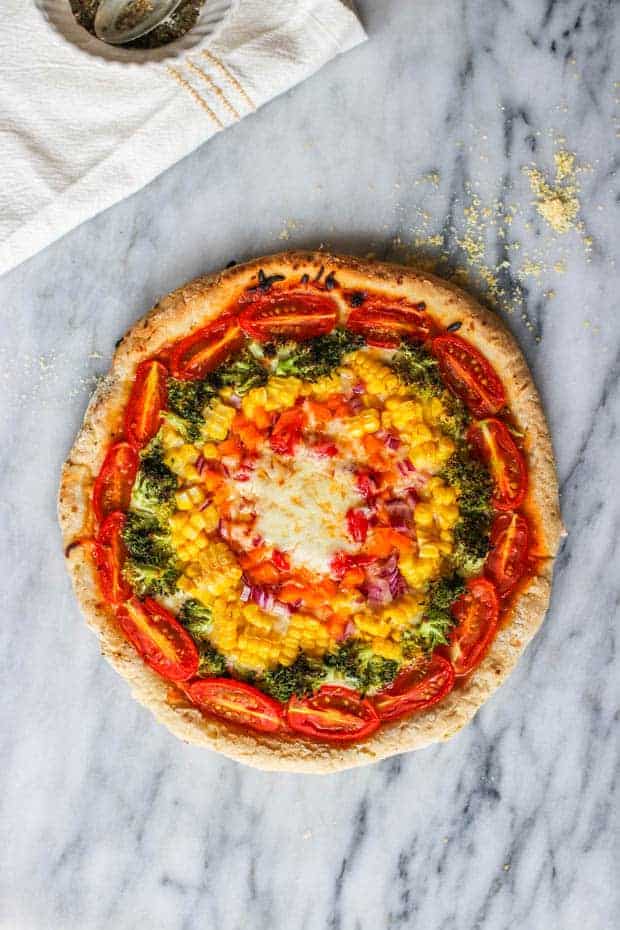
(172, 28)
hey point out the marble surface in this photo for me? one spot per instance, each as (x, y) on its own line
(107, 820)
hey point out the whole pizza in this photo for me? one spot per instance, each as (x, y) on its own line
(312, 511)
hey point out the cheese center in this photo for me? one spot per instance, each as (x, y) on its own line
(301, 505)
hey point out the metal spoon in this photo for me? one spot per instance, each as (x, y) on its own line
(120, 21)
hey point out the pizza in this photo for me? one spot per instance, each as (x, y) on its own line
(312, 511)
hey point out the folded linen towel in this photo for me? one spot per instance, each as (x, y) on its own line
(82, 127)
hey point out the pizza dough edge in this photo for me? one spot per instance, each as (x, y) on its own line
(195, 304)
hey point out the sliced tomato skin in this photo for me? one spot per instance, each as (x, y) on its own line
(286, 432)
(199, 353)
(413, 691)
(333, 714)
(468, 373)
(493, 442)
(509, 543)
(237, 702)
(385, 325)
(287, 315)
(163, 643)
(476, 613)
(110, 558)
(148, 399)
(112, 490)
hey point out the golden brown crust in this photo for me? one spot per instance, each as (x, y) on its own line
(195, 304)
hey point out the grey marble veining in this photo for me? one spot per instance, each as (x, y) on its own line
(107, 820)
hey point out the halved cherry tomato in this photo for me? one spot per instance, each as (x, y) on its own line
(288, 315)
(148, 398)
(476, 613)
(286, 432)
(494, 444)
(507, 558)
(469, 374)
(199, 353)
(238, 703)
(160, 639)
(415, 689)
(110, 557)
(333, 714)
(386, 324)
(357, 524)
(114, 482)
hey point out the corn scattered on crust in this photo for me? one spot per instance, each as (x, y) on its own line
(189, 308)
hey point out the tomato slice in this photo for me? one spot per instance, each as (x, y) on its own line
(415, 689)
(110, 558)
(163, 643)
(493, 442)
(114, 482)
(476, 612)
(507, 558)
(334, 714)
(469, 374)
(238, 703)
(148, 398)
(386, 324)
(288, 315)
(286, 432)
(199, 353)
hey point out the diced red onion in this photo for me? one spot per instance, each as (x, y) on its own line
(358, 388)
(245, 593)
(405, 466)
(400, 514)
(264, 599)
(235, 401)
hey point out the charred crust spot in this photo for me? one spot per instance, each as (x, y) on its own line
(357, 298)
(319, 273)
(72, 545)
(330, 281)
(305, 278)
(265, 281)
(231, 263)
(452, 328)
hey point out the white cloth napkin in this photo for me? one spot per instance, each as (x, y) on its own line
(78, 133)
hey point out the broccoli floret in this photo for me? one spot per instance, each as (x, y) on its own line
(150, 580)
(301, 678)
(472, 480)
(416, 366)
(212, 663)
(356, 663)
(317, 357)
(437, 619)
(471, 542)
(186, 404)
(151, 566)
(146, 540)
(471, 534)
(155, 483)
(243, 372)
(196, 618)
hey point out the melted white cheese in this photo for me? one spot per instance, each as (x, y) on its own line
(301, 503)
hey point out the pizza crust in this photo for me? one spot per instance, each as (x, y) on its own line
(194, 305)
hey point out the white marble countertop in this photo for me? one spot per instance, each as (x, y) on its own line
(108, 821)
